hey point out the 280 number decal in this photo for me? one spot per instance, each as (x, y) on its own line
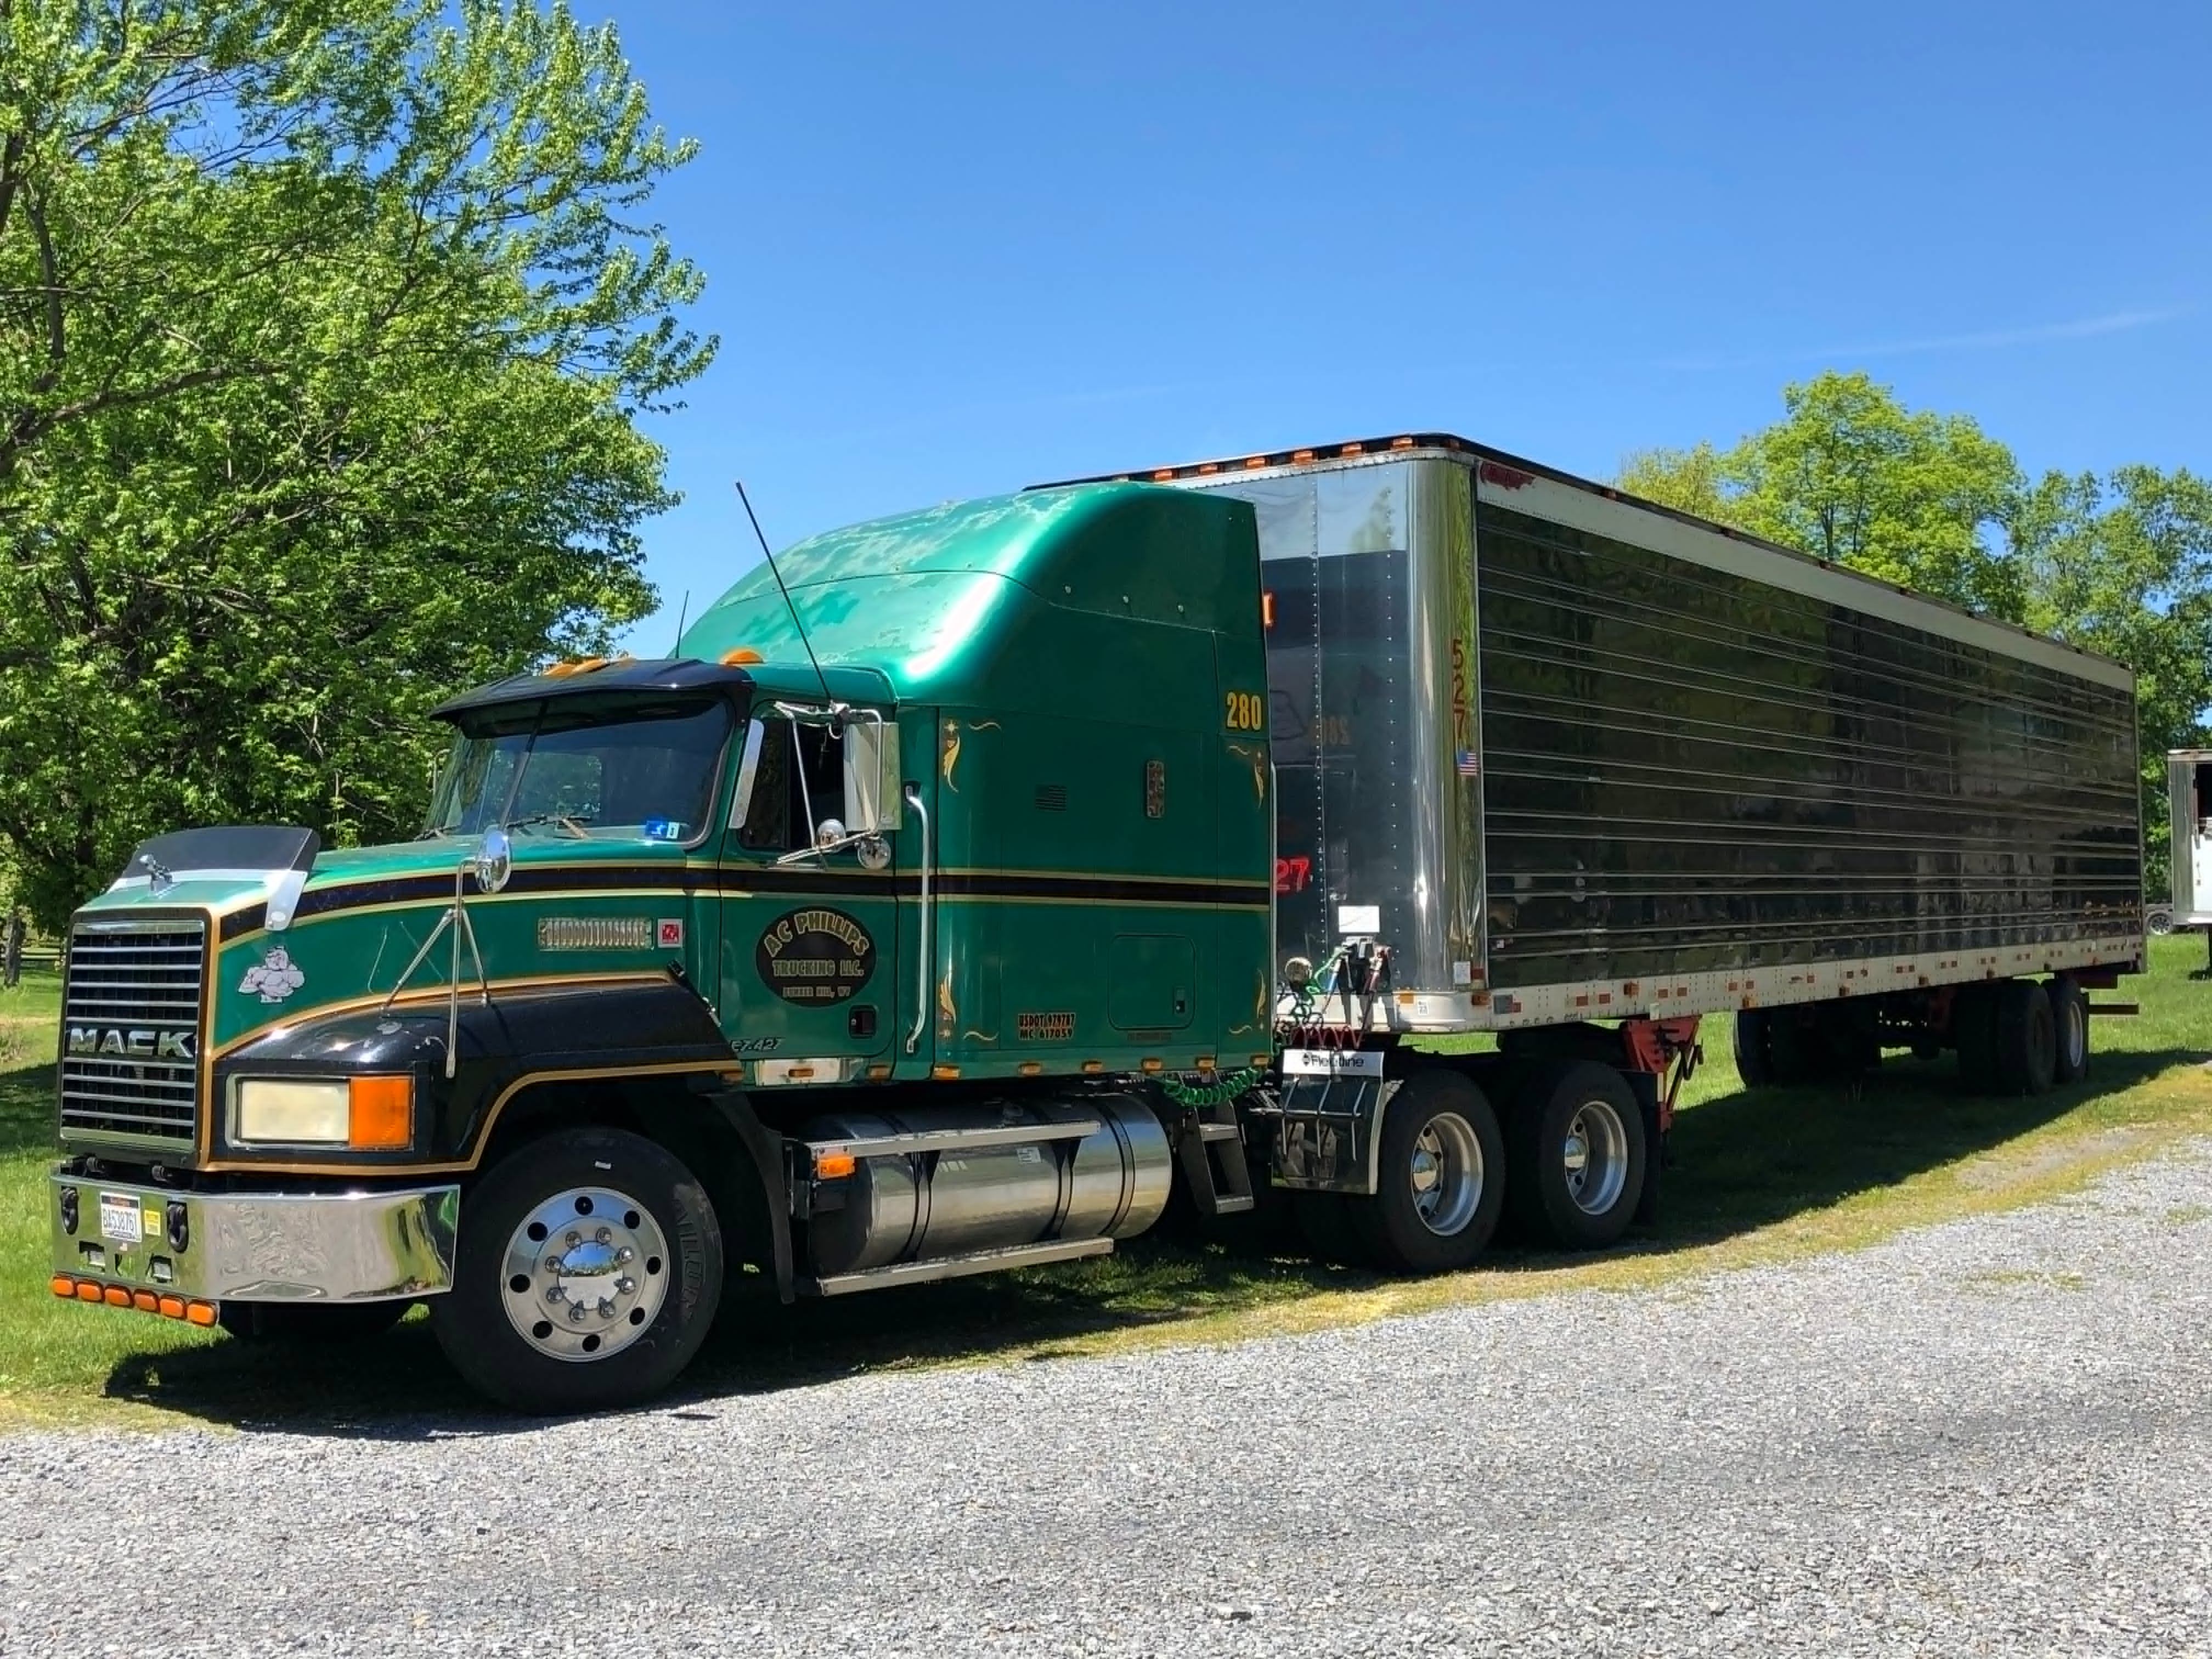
(1246, 711)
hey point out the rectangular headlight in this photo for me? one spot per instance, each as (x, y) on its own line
(294, 1111)
(365, 1113)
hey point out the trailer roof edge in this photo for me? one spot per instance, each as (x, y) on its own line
(1400, 446)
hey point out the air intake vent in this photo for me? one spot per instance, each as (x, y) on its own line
(1052, 798)
(130, 1027)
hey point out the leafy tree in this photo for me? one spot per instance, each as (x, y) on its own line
(2123, 565)
(1849, 474)
(322, 328)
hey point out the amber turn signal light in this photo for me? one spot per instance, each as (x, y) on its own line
(380, 1114)
(834, 1166)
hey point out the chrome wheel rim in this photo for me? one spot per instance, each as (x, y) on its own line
(2075, 1034)
(584, 1274)
(1596, 1157)
(1446, 1174)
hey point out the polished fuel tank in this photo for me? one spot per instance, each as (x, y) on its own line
(985, 1175)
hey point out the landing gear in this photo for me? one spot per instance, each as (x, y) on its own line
(589, 1269)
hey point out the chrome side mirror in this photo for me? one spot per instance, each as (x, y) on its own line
(872, 775)
(493, 861)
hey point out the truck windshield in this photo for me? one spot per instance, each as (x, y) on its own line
(628, 769)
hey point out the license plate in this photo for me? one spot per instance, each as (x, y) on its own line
(1332, 1062)
(119, 1219)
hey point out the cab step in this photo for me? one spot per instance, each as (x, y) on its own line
(1210, 1147)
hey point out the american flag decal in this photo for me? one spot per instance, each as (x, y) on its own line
(1468, 763)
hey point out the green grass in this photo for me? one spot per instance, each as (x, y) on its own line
(1758, 1176)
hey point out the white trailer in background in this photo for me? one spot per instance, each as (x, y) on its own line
(2189, 788)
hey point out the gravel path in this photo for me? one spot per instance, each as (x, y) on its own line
(1990, 1438)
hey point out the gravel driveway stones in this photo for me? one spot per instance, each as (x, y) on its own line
(1988, 1438)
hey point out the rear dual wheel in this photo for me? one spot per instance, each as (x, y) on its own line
(1439, 1184)
(2015, 1036)
(1578, 1154)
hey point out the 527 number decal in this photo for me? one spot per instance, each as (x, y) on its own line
(1246, 711)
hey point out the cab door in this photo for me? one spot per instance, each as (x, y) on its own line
(810, 964)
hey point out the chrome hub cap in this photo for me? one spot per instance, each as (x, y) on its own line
(585, 1273)
(1446, 1174)
(1596, 1158)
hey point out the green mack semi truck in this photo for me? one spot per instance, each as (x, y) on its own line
(1040, 858)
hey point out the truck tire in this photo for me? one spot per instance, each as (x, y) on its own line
(2070, 1016)
(1440, 1182)
(2027, 1038)
(1577, 1156)
(1324, 1226)
(320, 1324)
(589, 1268)
(1974, 1033)
(1754, 1060)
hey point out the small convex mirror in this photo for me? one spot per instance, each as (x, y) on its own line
(494, 859)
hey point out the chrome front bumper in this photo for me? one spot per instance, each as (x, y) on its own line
(255, 1247)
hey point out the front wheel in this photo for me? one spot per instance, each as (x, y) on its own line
(589, 1269)
(1440, 1185)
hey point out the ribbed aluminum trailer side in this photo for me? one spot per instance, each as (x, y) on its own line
(1565, 755)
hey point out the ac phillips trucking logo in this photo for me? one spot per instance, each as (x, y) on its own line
(130, 1044)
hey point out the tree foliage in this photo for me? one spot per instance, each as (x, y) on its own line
(2120, 564)
(323, 325)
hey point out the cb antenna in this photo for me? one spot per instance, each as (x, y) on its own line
(682, 612)
(823, 679)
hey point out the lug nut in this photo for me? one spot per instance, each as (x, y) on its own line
(626, 1287)
(554, 1293)
(606, 1308)
(575, 1238)
(625, 1254)
(604, 1236)
(576, 1312)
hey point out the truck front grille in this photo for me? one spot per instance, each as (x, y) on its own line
(130, 1025)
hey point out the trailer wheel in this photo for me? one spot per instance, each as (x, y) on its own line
(1439, 1186)
(1974, 1033)
(1578, 1155)
(2070, 1016)
(320, 1324)
(589, 1268)
(2028, 1038)
(1754, 1060)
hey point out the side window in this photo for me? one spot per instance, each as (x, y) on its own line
(800, 767)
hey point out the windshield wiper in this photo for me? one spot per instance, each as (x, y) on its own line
(574, 822)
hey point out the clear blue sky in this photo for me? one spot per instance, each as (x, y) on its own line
(952, 250)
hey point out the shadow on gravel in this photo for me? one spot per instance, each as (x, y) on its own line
(1737, 1162)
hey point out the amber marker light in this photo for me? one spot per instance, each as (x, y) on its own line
(116, 1296)
(743, 657)
(380, 1113)
(199, 1313)
(86, 1291)
(63, 1285)
(172, 1306)
(834, 1166)
(145, 1302)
